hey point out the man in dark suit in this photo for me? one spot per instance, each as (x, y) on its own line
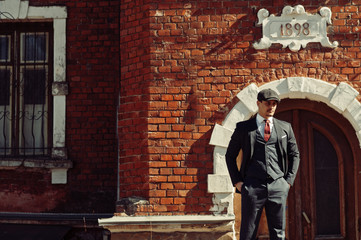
(270, 160)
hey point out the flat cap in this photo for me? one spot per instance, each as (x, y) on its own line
(267, 95)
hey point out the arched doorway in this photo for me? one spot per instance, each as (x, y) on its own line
(321, 205)
(336, 103)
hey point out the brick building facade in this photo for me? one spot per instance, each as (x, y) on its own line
(192, 71)
(143, 97)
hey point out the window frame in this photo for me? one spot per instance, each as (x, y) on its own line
(18, 66)
(21, 11)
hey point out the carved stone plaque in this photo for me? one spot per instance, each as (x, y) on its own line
(294, 28)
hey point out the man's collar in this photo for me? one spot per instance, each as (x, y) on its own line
(260, 119)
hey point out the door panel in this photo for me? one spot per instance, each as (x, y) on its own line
(327, 187)
(317, 206)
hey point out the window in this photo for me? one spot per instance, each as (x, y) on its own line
(25, 89)
(33, 87)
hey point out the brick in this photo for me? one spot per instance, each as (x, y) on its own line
(165, 171)
(174, 179)
(354, 64)
(175, 162)
(158, 178)
(167, 186)
(179, 200)
(347, 71)
(166, 201)
(166, 157)
(172, 208)
(351, 9)
(203, 73)
(165, 114)
(192, 171)
(197, 52)
(179, 171)
(186, 178)
(156, 135)
(157, 193)
(178, 127)
(172, 193)
(339, 22)
(164, 69)
(167, 97)
(172, 150)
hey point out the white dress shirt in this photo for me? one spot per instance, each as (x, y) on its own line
(261, 123)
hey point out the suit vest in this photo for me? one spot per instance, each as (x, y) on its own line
(265, 162)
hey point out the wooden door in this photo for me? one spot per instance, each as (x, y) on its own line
(321, 204)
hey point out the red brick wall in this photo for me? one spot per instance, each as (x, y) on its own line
(200, 56)
(93, 76)
(134, 100)
(92, 53)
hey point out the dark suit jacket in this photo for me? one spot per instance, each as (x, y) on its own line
(244, 138)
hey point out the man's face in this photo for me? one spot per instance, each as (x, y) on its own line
(267, 108)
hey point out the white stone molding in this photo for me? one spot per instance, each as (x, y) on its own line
(179, 219)
(59, 176)
(202, 224)
(294, 28)
(341, 98)
(220, 133)
(14, 9)
(20, 9)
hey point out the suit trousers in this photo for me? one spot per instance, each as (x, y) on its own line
(268, 194)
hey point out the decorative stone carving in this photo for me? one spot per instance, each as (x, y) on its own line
(294, 28)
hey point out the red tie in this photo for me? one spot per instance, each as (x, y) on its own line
(267, 130)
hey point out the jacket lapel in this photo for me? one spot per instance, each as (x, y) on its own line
(252, 135)
(279, 132)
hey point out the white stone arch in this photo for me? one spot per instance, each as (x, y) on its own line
(341, 98)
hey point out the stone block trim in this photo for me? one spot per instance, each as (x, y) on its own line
(221, 136)
(342, 97)
(219, 183)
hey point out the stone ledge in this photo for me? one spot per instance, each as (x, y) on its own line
(167, 220)
(58, 167)
(34, 163)
(170, 227)
(173, 236)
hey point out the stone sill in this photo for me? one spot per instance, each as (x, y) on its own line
(13, 163)
(58, 167)
(184, 223)
(176, 219)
